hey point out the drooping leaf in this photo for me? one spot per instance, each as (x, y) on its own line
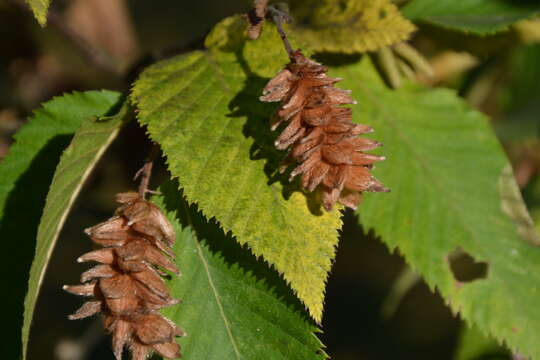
(25, 175)
(233, 306)
(476, 16)
(39, 8)
(452, 189)
(349, 26)
(203, 109)
(78, 160)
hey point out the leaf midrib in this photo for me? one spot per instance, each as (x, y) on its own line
(218, 299)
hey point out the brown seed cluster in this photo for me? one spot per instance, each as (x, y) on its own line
(320, 135)
(126, 286)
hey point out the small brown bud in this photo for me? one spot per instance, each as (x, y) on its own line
(149, 278)
(104, 256)
(99, 271)
(146, 218)
(168, 350)
(89, 308)
(82, 290)
(113, 232)
(122, 333)
(153, 329)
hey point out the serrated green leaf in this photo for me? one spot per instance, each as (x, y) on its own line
(233, 306)
(476, 16)
(39, 8)
(78, 160)
(473, 345)
(25, 175)
(451, 189)
(349, 26)
(203, 110)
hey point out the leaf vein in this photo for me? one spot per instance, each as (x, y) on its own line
(218, 299)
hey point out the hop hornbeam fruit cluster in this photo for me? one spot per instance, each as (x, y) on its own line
(127, 287)
(320, 135)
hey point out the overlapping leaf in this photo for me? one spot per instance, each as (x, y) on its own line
(39, 8)
(203, 109)
(25, 175)
(89, 143)
(476, 16)
(452, 188)
(349, 26)
(233, 306)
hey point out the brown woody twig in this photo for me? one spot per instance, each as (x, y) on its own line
(279, 17)
(145, 172)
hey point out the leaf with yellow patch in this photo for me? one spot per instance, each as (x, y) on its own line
(39, 8)
(203, 109)
(349, 26)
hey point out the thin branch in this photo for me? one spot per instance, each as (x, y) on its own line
(146, 171)
(279, 17)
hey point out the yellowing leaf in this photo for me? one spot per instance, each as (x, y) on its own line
(39, 8)
(528, 31)
(349, 26)
(203, 109)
